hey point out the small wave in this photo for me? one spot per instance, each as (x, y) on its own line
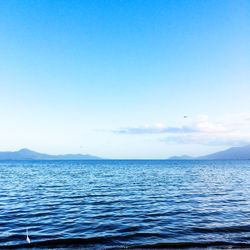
(233, 229)
(192, 245)
(69, 242)
(109, 243)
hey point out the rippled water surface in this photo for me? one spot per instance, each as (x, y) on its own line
(108, 204)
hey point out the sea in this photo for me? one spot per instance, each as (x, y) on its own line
(120, 204)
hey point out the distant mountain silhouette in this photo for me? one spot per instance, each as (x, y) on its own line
(26, 154)
(182, 157)
(234, 153)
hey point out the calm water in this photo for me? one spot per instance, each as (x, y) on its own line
(112, 204)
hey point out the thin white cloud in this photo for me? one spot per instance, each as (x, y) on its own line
(200, 126)
(156, 130)
(203, 139)
(233, 130)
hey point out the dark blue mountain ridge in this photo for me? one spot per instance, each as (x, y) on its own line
(233, 153)
(27, 154)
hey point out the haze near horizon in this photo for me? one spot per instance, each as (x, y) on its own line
(124, 79)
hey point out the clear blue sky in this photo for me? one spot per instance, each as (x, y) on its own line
(116, 78)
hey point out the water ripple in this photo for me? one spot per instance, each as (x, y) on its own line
(134, 204)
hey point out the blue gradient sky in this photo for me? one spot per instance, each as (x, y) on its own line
(115, 78)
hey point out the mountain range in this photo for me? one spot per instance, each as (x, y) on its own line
(26, 154)
(234, 153)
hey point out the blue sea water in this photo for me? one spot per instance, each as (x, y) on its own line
(115, 204)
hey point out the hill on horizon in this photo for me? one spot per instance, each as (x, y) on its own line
(27, 154)
(233, 153)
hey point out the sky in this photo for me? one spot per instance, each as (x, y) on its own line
(124, 79)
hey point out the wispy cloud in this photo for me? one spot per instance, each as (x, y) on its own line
(203, 139)
(196, 127)
(231, 131)
(156, 129)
